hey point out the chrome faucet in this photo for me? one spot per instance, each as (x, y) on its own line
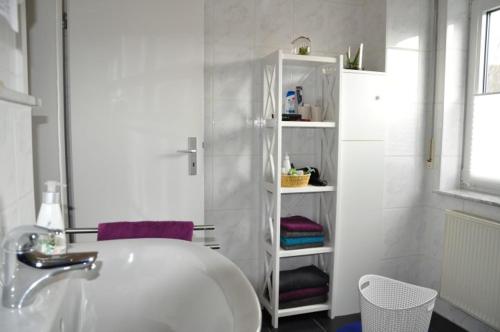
(25, 269)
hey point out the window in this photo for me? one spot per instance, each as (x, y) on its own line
(481, 171)
(491, 83)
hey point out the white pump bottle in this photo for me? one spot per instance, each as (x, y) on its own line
(50, 216)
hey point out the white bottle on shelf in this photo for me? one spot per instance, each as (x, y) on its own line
(287, 165)
(50, 216)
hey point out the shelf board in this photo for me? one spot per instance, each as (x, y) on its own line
(270, 123)
(295, 311)
(300, 190)
(306, 251)
(303, 310)
(304, 60)
(13, 96)
(326, 249)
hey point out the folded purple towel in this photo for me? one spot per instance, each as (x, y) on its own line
(300, 224)
(182, 230)
(303, 293)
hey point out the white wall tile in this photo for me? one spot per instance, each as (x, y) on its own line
(431, 244)
(403, 24)
(9, 218)
(428, 272)
(23, 148)
(403, 181)
(344, 29)
(238, 232)
(232, 73)
(312, 19)
(403, 71)
(453, 129)
(8, 185)
(374, 34)
(231, 22)
(401, 229)
(397, 268)
(457, 25)
(235, 182)
(450, 172)
(332, 26)
(454, 76)
(275, 23)
(404, 130)
(234, 132)
(253, 270)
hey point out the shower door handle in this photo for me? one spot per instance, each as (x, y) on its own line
(192, 155)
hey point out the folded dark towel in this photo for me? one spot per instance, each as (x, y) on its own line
(286, 233)
(302, 246)
(303, 302)
(303, 277)
(303, 293)
(290, 241)
(300, 224)
(182, 230)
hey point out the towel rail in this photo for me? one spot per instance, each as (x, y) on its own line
(92, 230)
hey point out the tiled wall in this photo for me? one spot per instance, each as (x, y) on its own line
(450, 86)
(16, 161)
(409, 67)
(238, 33)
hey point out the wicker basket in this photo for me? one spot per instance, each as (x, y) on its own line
(295, 180)
(389, 305)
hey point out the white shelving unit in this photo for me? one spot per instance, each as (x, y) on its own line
(323, 72)
(16, 97)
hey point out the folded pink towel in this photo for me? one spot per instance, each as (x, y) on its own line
(182, 230)
(300, 224)
(302, 293)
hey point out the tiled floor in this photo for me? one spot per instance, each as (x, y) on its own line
(319, 322)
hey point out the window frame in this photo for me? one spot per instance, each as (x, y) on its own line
(476, 86)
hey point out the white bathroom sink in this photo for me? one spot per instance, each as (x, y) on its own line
(148, 285)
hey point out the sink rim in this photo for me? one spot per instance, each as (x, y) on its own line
(251, 318)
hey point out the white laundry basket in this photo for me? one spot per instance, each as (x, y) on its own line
(389, 305)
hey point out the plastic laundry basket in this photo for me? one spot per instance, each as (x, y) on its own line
(389, 305)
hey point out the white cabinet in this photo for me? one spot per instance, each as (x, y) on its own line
(360, 184)
(362, 112)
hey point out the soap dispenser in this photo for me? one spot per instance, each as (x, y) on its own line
(50, 216)
(287, 166)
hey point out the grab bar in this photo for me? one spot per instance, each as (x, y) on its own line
(92, 230)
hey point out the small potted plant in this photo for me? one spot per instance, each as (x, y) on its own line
(301, 46)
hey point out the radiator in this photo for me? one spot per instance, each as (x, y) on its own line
(471, 266)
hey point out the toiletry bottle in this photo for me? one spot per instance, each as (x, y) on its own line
(299, 95)
(287, 166)
(290, 106)
(50, 216)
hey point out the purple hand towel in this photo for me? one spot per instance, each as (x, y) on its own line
(300, 224)
(182, 230)
(302, 293)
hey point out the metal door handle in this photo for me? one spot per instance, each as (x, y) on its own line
(192, 152)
